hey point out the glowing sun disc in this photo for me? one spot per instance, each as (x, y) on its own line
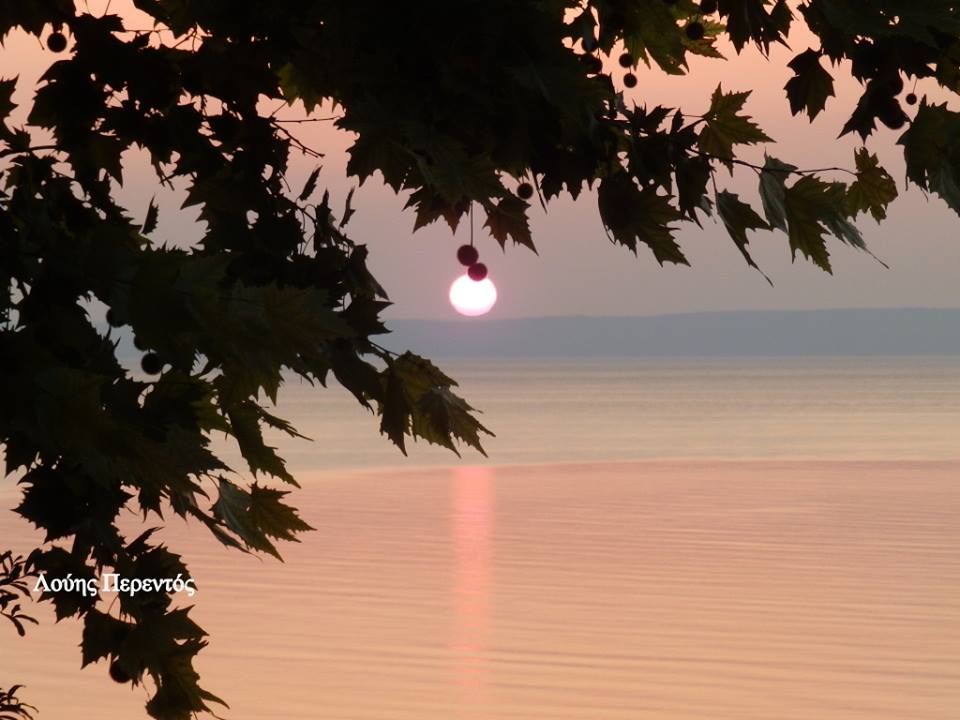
(472, 298)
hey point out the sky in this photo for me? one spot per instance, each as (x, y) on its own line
(578, 271)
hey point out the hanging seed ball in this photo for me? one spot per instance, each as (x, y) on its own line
(708, 7)
(524, 191)
(118, 674)
(467, 255)
(911, 99)
(630, 80)
(151, 364)
(477, 271)
(695, 31)
(626, 60)
(57, 42)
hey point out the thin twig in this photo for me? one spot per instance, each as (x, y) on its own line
(304, 148)
(307, 120)
(761, 168)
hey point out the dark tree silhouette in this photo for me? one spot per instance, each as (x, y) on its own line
(486, 103)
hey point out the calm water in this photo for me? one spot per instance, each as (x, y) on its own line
(567, 410)
(685, 539)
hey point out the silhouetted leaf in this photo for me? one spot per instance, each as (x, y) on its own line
(810, 86)
(633, 215)
(931, 147)
(725, 127)
(773, 191)
(417, 400)
(102, 636)
(873, 189)
(738, 217)
(507, 219)
(7, 88)
(310, 185)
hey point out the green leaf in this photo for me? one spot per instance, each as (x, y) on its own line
(650, 31)
(373, 151)
(417, 401)
(873, 189)
(773, 178)
(245, 421)
(841, 226)
(232, 509)
(507, 219)
(273, 517)
(298, 85)
(931, 148)
(441, 417)
(749, 20)
(633, 215)
(431, 206)
(395, 409)
(738, 217)
(810, 86)
(725, 127)
(805, 208)
(707, 46)
(256, 515)
(814, 207)
(919, 21)
(692, 175)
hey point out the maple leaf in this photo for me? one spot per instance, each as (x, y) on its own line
(725, 127)
(773, 178)
(507, 219)
(256, 515)
(810, 86)
(873, 189)
(738, 217)
(813, 208)
(931, 148)
(633, 215)
(418, 401)
(804, 205)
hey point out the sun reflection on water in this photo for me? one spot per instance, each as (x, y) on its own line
(472, 522)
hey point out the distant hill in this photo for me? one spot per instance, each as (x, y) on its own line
(764, 333)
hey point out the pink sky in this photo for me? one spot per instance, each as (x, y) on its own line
(578, 271)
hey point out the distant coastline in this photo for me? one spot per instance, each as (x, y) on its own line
(774, 333)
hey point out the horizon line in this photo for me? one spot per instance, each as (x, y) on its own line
(690, 313)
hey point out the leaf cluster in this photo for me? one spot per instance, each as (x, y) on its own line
(274, 288)
(14, 576)
(12, 708)
(452, 107)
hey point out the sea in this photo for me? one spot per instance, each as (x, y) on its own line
(686, 538)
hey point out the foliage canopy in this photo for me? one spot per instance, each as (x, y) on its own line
(453, 104)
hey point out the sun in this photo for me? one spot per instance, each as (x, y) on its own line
(472, 298)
